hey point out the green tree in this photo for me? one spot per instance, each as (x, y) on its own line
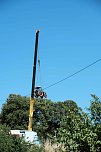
(47, 115)
(15, 112)
(95, 116)
(80, 133)
(76, 133)
(65, 120)
(9, 143)
(95, 110)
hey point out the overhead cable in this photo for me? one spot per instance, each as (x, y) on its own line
(72, 74)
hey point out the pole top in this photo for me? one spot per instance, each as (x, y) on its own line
(37, 31)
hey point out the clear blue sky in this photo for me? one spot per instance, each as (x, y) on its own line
(69, 39)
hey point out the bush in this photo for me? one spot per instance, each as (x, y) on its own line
(10, 143)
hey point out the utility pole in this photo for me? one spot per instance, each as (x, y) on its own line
(32, 101)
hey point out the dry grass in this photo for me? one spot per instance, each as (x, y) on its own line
(49, 147)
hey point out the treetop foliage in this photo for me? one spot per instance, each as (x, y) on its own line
(62, 122)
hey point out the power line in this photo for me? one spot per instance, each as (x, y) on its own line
(68, 76)
(72, 74)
